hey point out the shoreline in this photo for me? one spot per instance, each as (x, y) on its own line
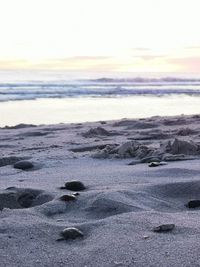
(123, 200)
(79, 110)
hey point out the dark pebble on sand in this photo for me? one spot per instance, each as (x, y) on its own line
(154, 164)
(193, 204)
(23, 165)
(164, 228)
(75, 186)
(67, 198)
(71, 233)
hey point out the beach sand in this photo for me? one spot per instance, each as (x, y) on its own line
(124, 198)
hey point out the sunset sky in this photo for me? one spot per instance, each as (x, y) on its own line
(114, 36)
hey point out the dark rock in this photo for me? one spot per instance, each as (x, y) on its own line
(71, 233)
(154, 164)
(67, 198)
(193, 204)
(75, 186)
(164, 228)
(23, 165)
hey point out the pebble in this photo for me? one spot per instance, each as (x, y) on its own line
(154, 164)
(23, 165)
(193, 204)
(67, 198)
(75, 186)
(164, 228)
(71, 233)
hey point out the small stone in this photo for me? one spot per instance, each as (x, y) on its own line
(146, 236)
(193, 204)
(67, 198)
(23, 165)
(164, 228)
(71, 233)
(75, 186)
(154, 164)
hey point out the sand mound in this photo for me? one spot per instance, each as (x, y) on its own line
(174, 121)
(133, 124)
(19, 198)
(181, 147)
(98, 131)
(186, 131)
(33, 134)
(130, 149)
(109, 204)
(20, 126)
(182, 190)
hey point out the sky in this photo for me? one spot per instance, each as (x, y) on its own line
(95, 36)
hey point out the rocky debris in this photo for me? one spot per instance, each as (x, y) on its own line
(23, 165)
(168, 151)
(9, 160)
(74, 186)
(70, 233)
(134, 149)
(107, 152)
(164, 228)
(193, 204)
(67, 198)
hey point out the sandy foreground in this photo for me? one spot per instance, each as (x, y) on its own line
(123, 201)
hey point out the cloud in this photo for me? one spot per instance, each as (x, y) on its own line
(186, 64)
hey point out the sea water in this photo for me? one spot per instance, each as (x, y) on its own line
(57, 99)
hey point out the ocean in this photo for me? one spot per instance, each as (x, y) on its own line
(56, 99)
